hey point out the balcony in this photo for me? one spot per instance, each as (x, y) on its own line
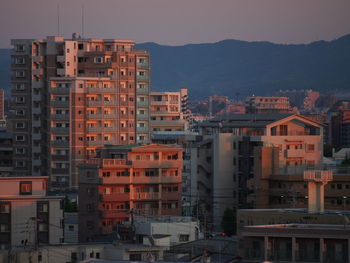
(101, 90)
(60, 90)
(56, 157)
(143, 65)
(156, 102)
(120, 197)
(36, 149)
(110, 116)
(146, 196)
(36, 136)
(171, 196)
(36, 84)
(93, 103)
(110, 163)
(141, 129)
(142, 103)
(141, 78)
(60, 185)
(60, 71)
(36, 162)
(60, 130)
(93, 143)
(36, 110)
(37, 59)
(60, 116)
(109, 103)
(64, 171)
(142, 116)
(36, 97)
(60, 103)
(171, 212)
(94, 116)
(93, 129)
(295, 153)
(142, 91)
(61, 59)
(37, 72)
(60, 143)
(109, 129)
(146, 212)
(115, 180)
(114, 214)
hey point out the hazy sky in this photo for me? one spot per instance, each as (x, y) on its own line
(177, 22)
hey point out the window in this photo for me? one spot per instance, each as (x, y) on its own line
(20, 125)
(25, 188)
(184, 238)
(20, 138)
(310, 148)
(20, 150)
(20, 48)
(20, 164)
(43, 207)
(20, 74)
(283, 130)
(135, 257)
(19, 86)
(4, 208)
(19, 61)
(4, 228)
(98, 59)
(20, 112)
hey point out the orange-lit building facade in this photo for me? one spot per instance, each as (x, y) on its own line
(45, 72)
(128, 180)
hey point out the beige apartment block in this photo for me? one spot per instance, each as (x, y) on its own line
(258, 105)
(169, 111)
(28, 216)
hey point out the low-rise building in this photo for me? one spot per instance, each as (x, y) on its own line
(125, 181)
(28, 216)
(83, 252)
(179, 229)
(266, 105)
(295, 243)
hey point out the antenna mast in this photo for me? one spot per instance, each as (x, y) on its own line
(58, 19)
(82, 21)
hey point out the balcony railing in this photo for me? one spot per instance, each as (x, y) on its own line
(146, 196)
(109, 162)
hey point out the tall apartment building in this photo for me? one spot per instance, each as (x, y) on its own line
(169, 111)
(33, 63)
(28, 216)
(123, 181)
(226, 158)
(268, 105)
(2, 105)
(36, 62)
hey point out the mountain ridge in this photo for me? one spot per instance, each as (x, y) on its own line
(230, 66)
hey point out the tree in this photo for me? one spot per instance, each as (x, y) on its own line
(327, 150)
(228, 222)
(69, 206)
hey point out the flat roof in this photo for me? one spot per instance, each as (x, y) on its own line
(297, 211)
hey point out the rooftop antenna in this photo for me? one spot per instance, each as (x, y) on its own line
(58, 19)
(82, 21)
